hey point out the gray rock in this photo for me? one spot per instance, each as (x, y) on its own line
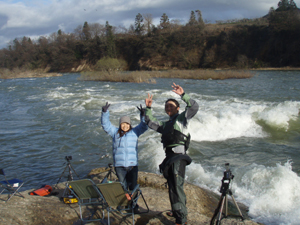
(38, 210)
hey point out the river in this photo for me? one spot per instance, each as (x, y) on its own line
(253, 124)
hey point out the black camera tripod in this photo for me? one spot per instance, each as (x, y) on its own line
(108, 176)
(70, 168)
(223, 202)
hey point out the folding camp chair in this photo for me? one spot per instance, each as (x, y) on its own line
(117, 199)
(12, 186)
(87, 194)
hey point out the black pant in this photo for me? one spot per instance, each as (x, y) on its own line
(176, 174)
(127, 176)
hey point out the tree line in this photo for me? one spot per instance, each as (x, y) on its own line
(270, 41)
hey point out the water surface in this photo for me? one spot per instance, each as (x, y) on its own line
(253, 124)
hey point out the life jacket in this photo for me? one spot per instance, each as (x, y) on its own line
(171, 136)
(43, 191)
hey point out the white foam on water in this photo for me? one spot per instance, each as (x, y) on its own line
(151, 150)
(271, 193)
(205, 178)
(59, 94)
(219, 120)
(279, 115)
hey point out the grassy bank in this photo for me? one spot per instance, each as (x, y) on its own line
(149, 76)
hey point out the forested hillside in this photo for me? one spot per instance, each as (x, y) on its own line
(270, 41)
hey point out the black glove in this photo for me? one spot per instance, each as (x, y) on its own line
(142, 111)
(104, 108)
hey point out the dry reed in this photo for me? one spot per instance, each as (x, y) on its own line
(148, 76)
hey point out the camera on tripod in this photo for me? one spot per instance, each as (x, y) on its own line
(68, 158)
(228, 176)
(222, 209)
(69, 168)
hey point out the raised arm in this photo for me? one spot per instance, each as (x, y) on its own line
(151, 121)
(142, 127)
(105, 121)
(191, 108)
(191, 105)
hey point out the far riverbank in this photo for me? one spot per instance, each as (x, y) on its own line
(145, 76)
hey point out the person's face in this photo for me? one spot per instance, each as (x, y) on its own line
(171, 108)
(125, 127)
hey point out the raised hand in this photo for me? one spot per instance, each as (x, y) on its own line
(142, 111)
(148, 101)
(104, 108)
(177, 89)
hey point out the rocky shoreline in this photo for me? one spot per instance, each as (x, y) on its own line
(37, 210)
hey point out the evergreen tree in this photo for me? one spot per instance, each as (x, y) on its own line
(200, 19)
(86, 31)
(285, 17)
(293, 4)
(164, 21)
(192, 21)
(285, 5)
(139, 26)
(110, 41)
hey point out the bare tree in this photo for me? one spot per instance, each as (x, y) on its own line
(97, 30)
(148, 22)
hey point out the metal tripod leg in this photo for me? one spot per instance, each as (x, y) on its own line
(226, 205)
(216, 219)
(70, 171)
(223, 206)
(224, 202)
(61, 176)
(70, 177)
(236, 205)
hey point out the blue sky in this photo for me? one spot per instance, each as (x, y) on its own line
(34, 18)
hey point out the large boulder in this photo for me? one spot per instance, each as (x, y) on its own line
(38, 210)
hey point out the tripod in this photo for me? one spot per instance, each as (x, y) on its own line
(108, 176)
(223, 202)
(70, 168)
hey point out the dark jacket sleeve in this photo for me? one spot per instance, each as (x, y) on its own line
(191, 108)
(152, 122)
(142, 127)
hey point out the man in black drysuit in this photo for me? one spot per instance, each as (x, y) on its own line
(175, 139)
